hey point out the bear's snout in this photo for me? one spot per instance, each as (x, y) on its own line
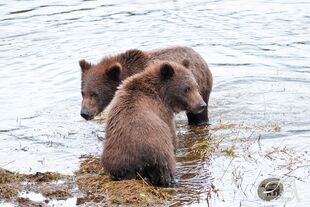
(86, 115)
(201, 106)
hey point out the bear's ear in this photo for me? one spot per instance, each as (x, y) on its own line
(186, 63)
(114, 72)
(166, 71)
(84, 65)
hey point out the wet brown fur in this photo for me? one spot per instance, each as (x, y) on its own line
(140, 130)
(99, 89)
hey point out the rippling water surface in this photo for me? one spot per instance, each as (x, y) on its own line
(258, 52)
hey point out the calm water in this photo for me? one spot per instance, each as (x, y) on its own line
(258, 52)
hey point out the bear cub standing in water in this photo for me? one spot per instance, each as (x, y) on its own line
(100, 81)
(140, 130)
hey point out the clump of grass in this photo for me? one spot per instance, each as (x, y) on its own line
(223, 126)
(204, 148)
(200, 130)
(59, 194)
(44, 177)
(26, 202)
(230, 151)
(6, 176)
(98, 187)
(8, 191)
(134, 192)
(8, 187)
(90, 164)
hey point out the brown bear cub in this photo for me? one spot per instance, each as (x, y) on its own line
(140, 131)
(100, 81)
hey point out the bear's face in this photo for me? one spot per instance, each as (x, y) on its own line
(181, 88)
(98, 87)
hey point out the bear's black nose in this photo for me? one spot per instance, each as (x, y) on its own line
(202, 106)
(85, 115)
(199, 108)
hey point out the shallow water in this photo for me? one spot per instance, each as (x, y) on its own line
(259, 55)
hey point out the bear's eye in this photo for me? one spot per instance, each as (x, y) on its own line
(82, 93)
(93, 94)
(187, 89)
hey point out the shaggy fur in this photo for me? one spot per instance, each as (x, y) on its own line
(140, 131)
(100, 81)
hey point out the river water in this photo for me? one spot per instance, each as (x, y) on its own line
(258, 52)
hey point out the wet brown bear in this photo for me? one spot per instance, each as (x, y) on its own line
(100, 81)
(140, 130)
